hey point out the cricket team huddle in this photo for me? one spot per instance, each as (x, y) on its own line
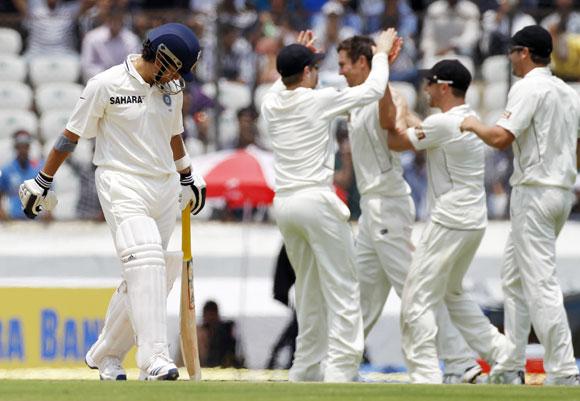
(144, 176)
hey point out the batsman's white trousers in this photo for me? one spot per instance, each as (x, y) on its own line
(531, 290)
(319, 242)
(384, 253)
(436, 275)
(122, 197)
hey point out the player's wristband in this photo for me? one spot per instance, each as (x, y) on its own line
(186, 179)
(43, 180)
(183, 163)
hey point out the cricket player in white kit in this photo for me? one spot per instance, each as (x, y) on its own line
(134, 111)
(311, 218)
(455, 163)
(383, 244)
(542, 120)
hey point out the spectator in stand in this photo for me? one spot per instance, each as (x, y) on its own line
(379, 14)
(450, 28)
(218, 343)
(51, 25)
(248, 133)
(235, 53)
(496, 27)
(564, 26)
(88, 206)
(397, 14)
(97, 15)
(107, 45)
(237, 13)
(329, 32)
(564, 18)
(14, 173)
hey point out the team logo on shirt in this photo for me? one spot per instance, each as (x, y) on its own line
(167, 100)
(419, 133)
(125, 99)
(506, 114)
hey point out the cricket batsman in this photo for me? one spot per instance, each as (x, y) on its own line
(134, 111)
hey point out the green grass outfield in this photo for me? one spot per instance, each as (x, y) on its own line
(89, 390)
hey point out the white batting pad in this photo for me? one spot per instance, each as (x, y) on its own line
(117, 336)
(139, 246)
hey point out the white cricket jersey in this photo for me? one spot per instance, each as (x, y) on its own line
(377, 170)
(298, 122)
(133, 122)
(455, 167)
(543, 113)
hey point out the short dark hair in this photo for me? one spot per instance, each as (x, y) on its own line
(458, 92)
(292, 79)
(251, 110)
(147, 52)
(358, 46)
(539, 59)
(210, 306)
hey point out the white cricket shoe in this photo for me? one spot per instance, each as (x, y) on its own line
(160, 369)
(109, 369)
(469, 376)
(572, 380)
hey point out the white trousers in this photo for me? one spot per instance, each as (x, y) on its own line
(436, 275)
(124, 197)
(319, 242)
(531, 290)
(384, 253)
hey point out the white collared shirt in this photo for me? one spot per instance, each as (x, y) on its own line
(298, 122)
(455, 167)
(543, 113)
(133, 122)
(377, 170)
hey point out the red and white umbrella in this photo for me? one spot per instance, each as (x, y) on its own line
(242, 177)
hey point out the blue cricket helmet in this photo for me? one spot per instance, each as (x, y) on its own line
(183, 46)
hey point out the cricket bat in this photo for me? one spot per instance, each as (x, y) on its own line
(187, 320)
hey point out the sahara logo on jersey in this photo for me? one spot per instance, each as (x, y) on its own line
(125, 99)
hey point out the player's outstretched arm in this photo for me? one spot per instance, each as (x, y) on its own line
(35, 194)
(496, 136)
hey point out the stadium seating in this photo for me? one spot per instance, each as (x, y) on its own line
(52, 123)
(56, 68)
(10, 41)
(12, 68)
(12, 120)
(233, 95)
(495, 69)
(57, 95)
(473, 96)
(15, 94)
(495, 95)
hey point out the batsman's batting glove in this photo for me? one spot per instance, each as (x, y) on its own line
(192, 190)
(35, 195)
